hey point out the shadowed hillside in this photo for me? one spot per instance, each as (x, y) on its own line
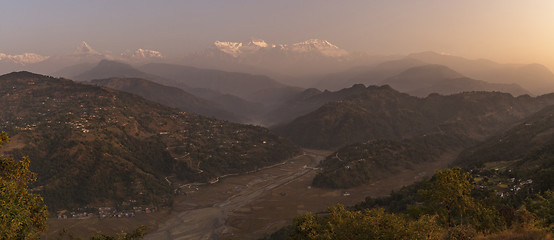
(384, 113)
(423, 80)
(168, 96)
(97, 146)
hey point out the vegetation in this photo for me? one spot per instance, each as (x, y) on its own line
(310, 100)
(360, 163)
(527, 143)
(168, 96)
(444, 207)
(504, 193)
(367, 224)
(138, 233)
(97, 146)
(383, 113)
(23, 214)
(100, 147)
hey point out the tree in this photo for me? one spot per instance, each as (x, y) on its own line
(449, 194)
(542, 205)
(23, 214)
(138, 233)
(340, 223)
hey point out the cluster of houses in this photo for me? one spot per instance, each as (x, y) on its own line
(515, 188)
(107, 212)
(512, 186)
(79, 124)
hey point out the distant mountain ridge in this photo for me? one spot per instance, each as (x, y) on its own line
(244, 97)
(242, 85)
(168, 96)
(312, 63)
(297, 59)
(534, 77)
(367, 75)
(308, 101)
(384, 113)
(415, 77)
(108, 69)
(265, 101)
(82, 54)
(423, 80)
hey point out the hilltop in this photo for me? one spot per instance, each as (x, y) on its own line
(423, 80)
(384, 113)
(95, 146)
(308, 101)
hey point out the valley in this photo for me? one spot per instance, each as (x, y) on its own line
(112, 160)
(250, 206)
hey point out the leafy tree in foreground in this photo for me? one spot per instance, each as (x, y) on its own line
(23, 214)
(366, 224)
(138, 233)
(449, 194)
(543, 207)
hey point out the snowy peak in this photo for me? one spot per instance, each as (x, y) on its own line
(82, 55)
(258, 43)
(316, 43)
(231, 48)
(84, 48)
(254, 45)
(323, 47)
(22, 59)
(142, 54)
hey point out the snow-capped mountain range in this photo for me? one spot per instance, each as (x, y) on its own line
(304, 64)
(253, 56)
(139, 55)
(82, 55)
(22, 59)
(277, 60)
(255, 46)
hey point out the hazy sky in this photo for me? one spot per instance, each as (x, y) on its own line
(501, 30)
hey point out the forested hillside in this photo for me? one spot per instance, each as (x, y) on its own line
(384, 113)
(92, 145)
